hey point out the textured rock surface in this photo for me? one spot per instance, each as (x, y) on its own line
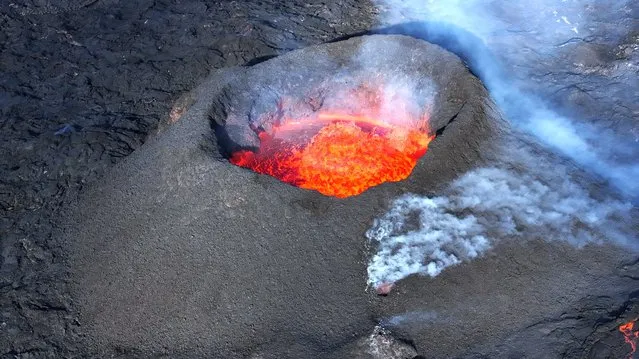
(84, 84)
(178, 252)
(79, 93)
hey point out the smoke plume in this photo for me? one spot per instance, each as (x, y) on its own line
(475, 30)
(425, 235)
(414, 317)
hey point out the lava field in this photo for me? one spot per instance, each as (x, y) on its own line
(375, 179)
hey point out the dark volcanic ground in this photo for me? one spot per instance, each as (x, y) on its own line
(85, 83)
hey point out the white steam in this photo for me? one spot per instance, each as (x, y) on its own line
(477, 30)
(550, 20)
(381, 344)
(394, 96)
(414, 317)
(422, 235)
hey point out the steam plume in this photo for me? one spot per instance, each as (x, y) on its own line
(470, 27)
(425, 235)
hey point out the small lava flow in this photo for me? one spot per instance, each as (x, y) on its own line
(630, 333)
(339, 155)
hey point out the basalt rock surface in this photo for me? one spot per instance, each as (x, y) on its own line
(117, 88)
(83, 85)
(179, 252)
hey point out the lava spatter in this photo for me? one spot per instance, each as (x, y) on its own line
(630, 333)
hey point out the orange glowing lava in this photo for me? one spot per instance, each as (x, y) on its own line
(630, 333)
(338, 155)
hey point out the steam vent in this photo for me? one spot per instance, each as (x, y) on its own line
(250, 227)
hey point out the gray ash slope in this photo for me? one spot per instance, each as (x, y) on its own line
(177, 252)
(40, 171)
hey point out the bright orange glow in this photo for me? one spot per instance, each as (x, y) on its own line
(630, 333)
(337, 154)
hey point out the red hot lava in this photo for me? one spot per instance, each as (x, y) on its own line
(630, 333)
(341, 154)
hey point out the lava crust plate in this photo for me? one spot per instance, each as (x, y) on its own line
(178, 252)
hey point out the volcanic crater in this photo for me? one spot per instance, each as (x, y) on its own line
(370, 138)
(179, 248)
(338, 125)
(177, 252)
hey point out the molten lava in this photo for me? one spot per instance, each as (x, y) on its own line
(630, 333)
(338, 155)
